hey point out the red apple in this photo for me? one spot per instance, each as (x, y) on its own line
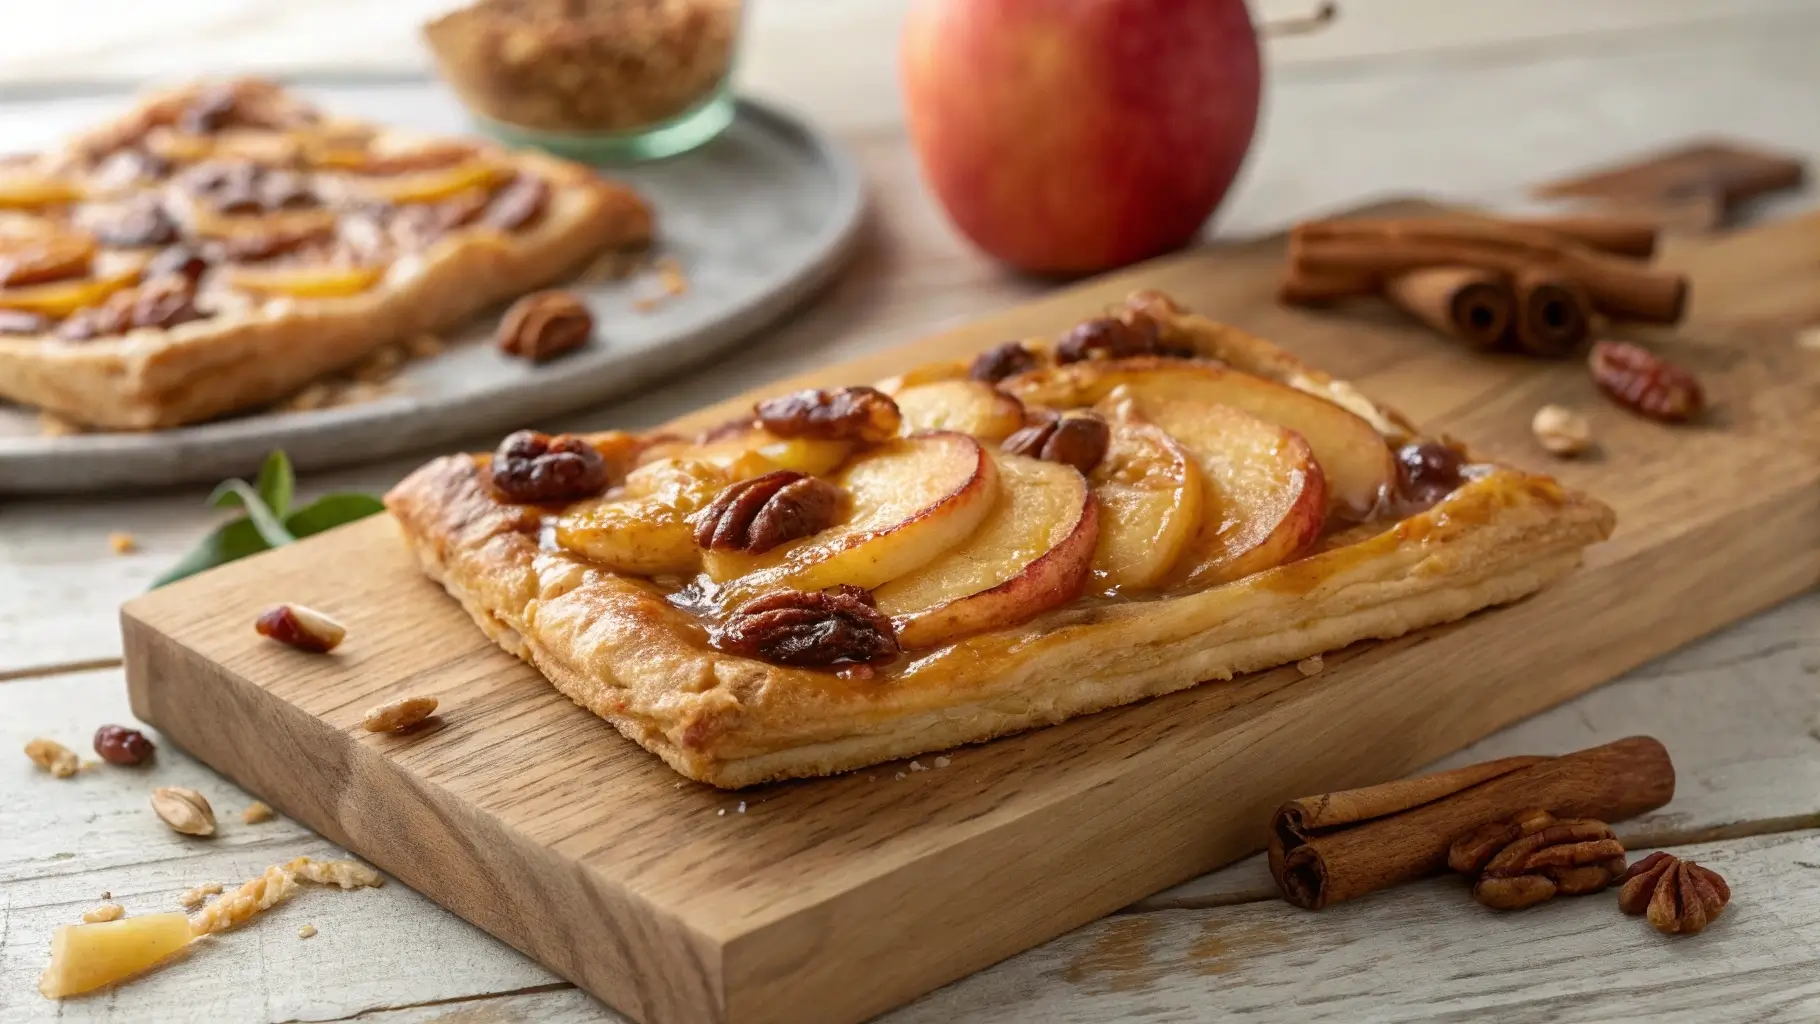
(1069, 136)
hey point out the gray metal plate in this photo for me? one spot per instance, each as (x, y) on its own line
(759, 219)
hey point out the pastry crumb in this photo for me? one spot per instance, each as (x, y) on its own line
(423, 346)
(670, 275)
(52, 425)
(104, 912)
(943, 761)
(742, 807)
(256, 812)
(122, 543)
(194, 898)
(306, 931)
(1310, 666)
(899, 776)
(1808, 338)
(277, 884)
(917, 766)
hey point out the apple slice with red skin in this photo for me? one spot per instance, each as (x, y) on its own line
(1359, 467)
(1266, 496)
(1150, 493)
(909, 502)
(969, 406)
(1031, 554)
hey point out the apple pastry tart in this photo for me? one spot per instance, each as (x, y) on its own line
(221, 245)
(976, 548)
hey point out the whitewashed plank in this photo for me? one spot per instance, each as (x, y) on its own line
(1426, 952)
(1736, 710)
(66, 841)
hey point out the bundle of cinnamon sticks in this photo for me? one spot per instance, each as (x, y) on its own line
(1530, 285)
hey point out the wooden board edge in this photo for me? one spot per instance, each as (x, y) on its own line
(635, 956)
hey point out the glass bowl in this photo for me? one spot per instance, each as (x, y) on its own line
(596, 80)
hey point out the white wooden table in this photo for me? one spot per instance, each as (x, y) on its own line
(1403, 95)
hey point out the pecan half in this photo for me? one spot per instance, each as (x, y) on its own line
(1001, 361)
(531, 468)
(544, 325)
(759, 514)
(809, 629)
(1108, 338)
(176, 261)
(1679, 897)
(1641, 381)
(163, 303)
(1078, 439)
(57, 257)
(139, 224)
(1534, 856)
(849, 414)
(518, 204)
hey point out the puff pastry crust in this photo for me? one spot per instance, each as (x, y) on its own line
(150, 378)
(616, 646)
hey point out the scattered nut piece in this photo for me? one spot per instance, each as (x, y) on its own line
(1561, 431)
(122, 746)
(398, 715)
(763, 512)
(303, 628)
(1006, 360)
(53, 757)
(256, 813)
(1644, 383)
(859, 414)
(1310, 666)
(809, 629)
(122, 543)
(918, 766)
(193, 898)
(943, 761)
(1679, 897)
(307, 931)
(104, 912)
(184, 810)
(1078, 439)
(1534, 856)
(531, 468)
(544, 325)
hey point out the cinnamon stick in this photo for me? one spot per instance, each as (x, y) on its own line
(1618, 287)
(1617, 234)
(1301, 288)
(1554, 315)
(1472, 306)
(1327, 849)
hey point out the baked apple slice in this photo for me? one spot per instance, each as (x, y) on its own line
(61, 298)
(1266, 495)
(969, 406)
(1150, 493)
(435, 185)
(745, 449)
(1031, 554)
(910, 501)
(31, 192)
(303, 282)
(1355, 458)
(642, 530)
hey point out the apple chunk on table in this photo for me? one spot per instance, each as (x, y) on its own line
(909, 501)
(969, 406)
(1266, 497)
(1150, 494)
(1354, 457)
(1031, 554)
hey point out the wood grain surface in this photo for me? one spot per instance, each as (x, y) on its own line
(674, 902)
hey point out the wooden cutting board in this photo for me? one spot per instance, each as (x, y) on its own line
(834, 899)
